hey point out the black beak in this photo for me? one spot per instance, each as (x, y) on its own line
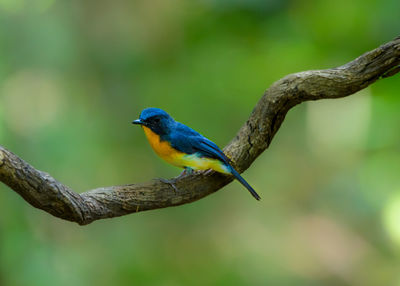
(137, 121)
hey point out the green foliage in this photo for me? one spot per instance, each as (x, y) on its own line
(74, 74)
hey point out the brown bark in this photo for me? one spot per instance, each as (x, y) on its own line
(44, 192)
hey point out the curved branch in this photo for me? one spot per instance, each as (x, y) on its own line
(43, 191)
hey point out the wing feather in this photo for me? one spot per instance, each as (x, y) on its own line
(191, 144)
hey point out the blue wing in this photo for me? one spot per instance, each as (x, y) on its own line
(187, 140)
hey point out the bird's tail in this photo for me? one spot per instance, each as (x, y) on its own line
(244, 183)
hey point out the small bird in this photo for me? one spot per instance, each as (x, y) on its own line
(183, 147)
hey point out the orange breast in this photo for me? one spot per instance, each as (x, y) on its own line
(163, 148)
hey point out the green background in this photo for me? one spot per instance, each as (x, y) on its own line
(74, 74)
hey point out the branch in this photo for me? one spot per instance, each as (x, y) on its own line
(44, 192)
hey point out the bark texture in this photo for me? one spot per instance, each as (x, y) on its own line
(44, 192)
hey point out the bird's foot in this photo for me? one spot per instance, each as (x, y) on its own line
(186, 171)
(208, 172)
(170, 182)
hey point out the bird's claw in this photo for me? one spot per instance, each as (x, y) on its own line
(170, 182)
(208, 172)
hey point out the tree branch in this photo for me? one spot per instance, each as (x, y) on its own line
(43, 191)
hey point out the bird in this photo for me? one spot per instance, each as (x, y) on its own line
(184, 147)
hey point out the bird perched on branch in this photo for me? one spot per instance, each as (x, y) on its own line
(183, 147)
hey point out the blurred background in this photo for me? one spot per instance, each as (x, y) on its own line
(74, 74)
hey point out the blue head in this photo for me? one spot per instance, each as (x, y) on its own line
(156, 119)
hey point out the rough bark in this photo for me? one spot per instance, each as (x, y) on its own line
(44, 192)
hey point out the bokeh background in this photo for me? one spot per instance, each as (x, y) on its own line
(74, 74)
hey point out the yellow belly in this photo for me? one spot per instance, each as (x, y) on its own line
(180, 159)
(200, 163)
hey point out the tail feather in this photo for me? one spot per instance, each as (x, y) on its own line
(244, 183)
